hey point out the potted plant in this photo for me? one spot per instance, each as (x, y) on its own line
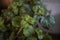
(22, 20)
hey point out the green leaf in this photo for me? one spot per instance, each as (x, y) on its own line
(29, 19)
(37, 1)
(15, 11)
(36, 17)
(39, 10)
(24, 24)
(47, 37)
(11, 37)
(39, 33)
(27, 9)
(22, 11)
(14, 8)
(8, 14)
(16, 21)
(28, 31)
(1, 24)
(18, 2)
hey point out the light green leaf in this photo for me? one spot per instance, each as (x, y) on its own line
(39, 10)
(28, 31)
(29, 19)
(24, 24)
(39, 33)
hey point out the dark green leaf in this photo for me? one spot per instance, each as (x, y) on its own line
(16, 21)
(32, 38)
(1, 24)
(11, 37)
(47, 37)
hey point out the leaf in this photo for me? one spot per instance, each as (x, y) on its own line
(52, 20)
(22, 11)
(28, 31)
(11, 37)
(8, 14)
(29, 19)
(39, 33)
(37, 1)
(27, 28)
(18, 2)
(39, 10)
(44, 22)
(28, 9)
(14, 6)
(15, 11)
(1, 24)
(47, 21)
(47, 37)
(16, 21)
(36, 17)
(24, 24)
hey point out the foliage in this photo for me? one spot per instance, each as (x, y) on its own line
(47, 21)
(20, 18)
(47, 37)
